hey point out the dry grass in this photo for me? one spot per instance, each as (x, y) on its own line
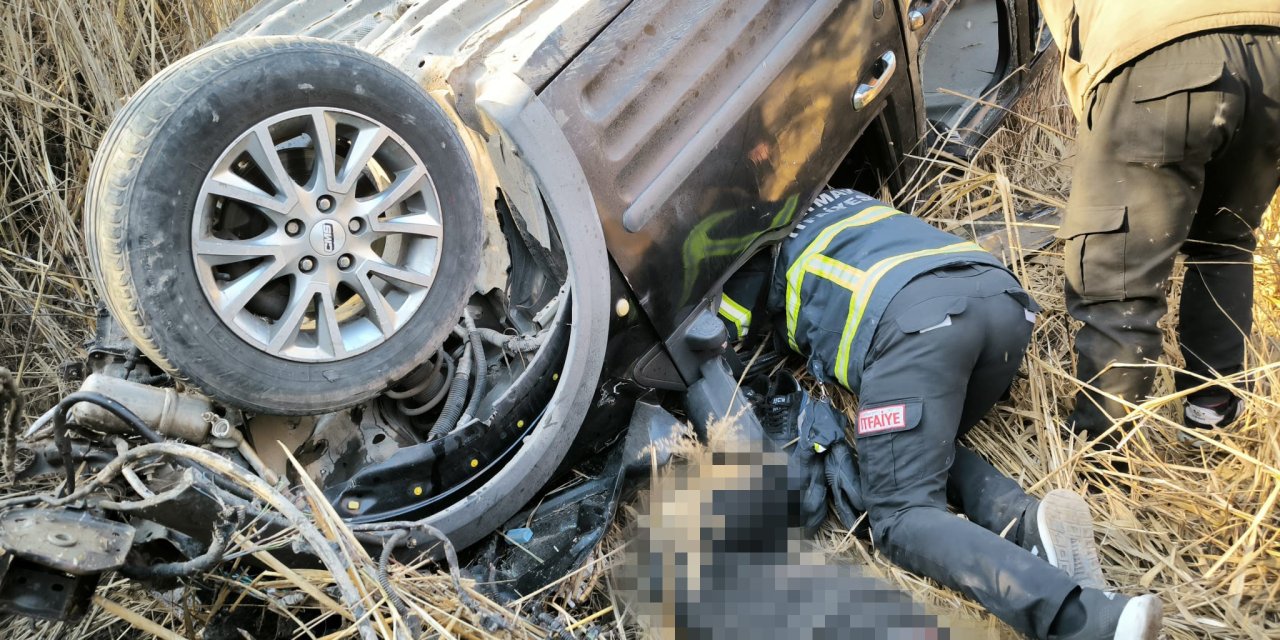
(65, 67)
(344, 599)
(1199, 529)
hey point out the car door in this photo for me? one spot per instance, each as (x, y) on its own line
(706, 126)
(971, 60)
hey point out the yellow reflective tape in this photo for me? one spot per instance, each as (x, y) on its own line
(837, 272)
(739, 315)
(858, 301)
(796, 271)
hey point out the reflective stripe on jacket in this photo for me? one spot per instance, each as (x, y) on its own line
(842, 265)
(1096, 37)
(737, 317)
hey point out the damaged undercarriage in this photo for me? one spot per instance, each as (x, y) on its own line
(156, 485)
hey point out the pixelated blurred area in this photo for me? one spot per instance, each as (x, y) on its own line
(710, 555)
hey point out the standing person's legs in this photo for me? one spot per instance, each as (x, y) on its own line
(1215, 315)
(922, 379)
(1137, 184)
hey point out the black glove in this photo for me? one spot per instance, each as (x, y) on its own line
(806, 471)
(822, 462)
(843, 483)
(822, 446)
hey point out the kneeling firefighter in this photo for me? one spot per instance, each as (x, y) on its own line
(929, 331)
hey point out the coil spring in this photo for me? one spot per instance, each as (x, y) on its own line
(425, 387)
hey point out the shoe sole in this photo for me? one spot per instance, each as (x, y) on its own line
(1141, 619)
(1189, 440)
(1066, 529)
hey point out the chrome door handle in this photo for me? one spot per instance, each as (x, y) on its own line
(883, 70)
(915, 18)
(919, 14)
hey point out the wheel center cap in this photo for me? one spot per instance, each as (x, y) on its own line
(327, 237)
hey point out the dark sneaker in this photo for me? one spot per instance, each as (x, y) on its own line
(1208, 416)
(778, 401)
(1061, 530)
(1110, 616)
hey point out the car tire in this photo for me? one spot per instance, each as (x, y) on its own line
(155, 205)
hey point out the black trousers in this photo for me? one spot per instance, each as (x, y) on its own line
(944, 352)
(1179, 152)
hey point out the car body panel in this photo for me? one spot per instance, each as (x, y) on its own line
(704, 125)
(447, 45)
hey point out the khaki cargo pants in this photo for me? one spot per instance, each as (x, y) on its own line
(1179, 152)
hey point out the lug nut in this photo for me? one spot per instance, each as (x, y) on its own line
(344, 261)
(324, 203)
(307, 264)
(293, 227)
(356, 225)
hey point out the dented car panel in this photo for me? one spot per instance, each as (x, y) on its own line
(705, 122)
(445, 45)
(709, 123)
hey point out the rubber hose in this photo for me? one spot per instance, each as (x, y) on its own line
(113, 406)
(199, 564)
(482, 367)
(457, 398)
(384, 579)
(127, 416)
(518, 344)
(155, 380)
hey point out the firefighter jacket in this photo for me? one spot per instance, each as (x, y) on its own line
(840, 267)
(1096, 37)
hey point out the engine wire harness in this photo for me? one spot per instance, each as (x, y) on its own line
(224, 465)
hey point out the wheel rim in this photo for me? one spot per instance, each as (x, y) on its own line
(317, 234)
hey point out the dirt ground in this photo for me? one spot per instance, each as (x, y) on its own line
(1199, 528)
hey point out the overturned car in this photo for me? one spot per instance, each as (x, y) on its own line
(429, 256)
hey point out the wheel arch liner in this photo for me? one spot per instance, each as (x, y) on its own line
(533, 132)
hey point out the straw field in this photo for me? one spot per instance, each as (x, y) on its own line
(1200, 528)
